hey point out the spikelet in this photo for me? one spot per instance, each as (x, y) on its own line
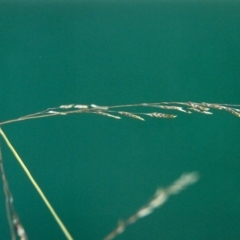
(80, 106)
(55, 112)
(212, 105)
(233, 111)
(131, 115)
(105, 108)
(161, 115)
(107, 114)
(67, 106)
(173, 108)
(200, 110)
(197, 106)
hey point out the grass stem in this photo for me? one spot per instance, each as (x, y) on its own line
(36, 186)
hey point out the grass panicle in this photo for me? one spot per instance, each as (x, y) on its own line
(113, 112)
(117, 112)
(160, 197)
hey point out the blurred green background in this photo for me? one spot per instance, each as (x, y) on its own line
(98, 170)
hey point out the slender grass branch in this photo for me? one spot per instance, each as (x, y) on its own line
(11, 213)
(36, 186)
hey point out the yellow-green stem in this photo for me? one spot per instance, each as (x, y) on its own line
(60, 223)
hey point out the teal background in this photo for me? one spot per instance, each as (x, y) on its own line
(97, 170)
